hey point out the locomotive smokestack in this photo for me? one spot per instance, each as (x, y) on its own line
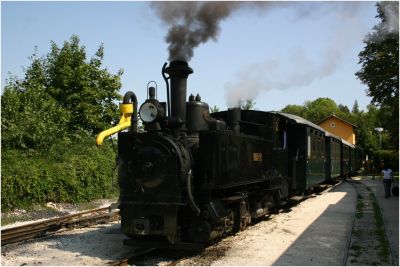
(178, 72)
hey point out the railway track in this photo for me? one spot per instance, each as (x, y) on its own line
(50, 226)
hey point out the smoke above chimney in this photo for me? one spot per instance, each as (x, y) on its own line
(191, 24)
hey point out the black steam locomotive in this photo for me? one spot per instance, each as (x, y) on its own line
(192, 176)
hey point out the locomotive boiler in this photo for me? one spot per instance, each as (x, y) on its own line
(192, 176)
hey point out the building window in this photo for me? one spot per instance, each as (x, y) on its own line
(333, 125)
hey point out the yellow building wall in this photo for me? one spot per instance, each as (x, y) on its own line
(339, 128)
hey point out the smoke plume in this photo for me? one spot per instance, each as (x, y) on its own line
(191, 23)
(299, 68)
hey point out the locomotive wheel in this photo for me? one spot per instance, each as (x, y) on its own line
(199, 230)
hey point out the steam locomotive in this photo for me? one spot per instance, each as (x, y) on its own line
(192, 176)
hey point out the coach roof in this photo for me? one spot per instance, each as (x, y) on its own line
(298, 120)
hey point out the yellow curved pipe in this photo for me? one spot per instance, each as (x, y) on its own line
(113, 130)
(126, 111)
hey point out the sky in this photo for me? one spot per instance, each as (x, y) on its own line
(277, 53)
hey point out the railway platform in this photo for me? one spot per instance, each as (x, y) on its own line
(327, 240)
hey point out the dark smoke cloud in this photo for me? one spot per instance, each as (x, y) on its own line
(191, 24)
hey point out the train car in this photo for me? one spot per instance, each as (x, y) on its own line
(346, 152)
(356, 159)
(306, 152)
(332, 152)
(300, 142)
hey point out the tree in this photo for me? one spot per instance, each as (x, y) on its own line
(380, 63)
(355, 108)
(366, 137)
(61, 94)
(320, 108)
(31, 118)
(295, 110)
(214, 109)
(249, 104)
(83, 87)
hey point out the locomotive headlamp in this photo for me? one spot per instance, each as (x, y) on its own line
(148, 112)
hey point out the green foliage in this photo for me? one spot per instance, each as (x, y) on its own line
(214, 109)
(31, 119)
(390, 157)
(380, 64)
(83, 87)
(49, 119)
(355, 108)
(60, 96)
(295, 110)
(69, 172)
(249, 104)
(319, 109)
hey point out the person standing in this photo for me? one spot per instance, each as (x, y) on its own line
(387, 174)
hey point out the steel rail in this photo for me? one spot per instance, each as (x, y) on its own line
(46, 227)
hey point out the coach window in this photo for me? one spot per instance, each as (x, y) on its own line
(319, 147)
(308, 146)
(313, 147)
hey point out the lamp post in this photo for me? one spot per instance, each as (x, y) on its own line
(380, 130)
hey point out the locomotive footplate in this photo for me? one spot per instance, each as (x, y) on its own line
(163, 245)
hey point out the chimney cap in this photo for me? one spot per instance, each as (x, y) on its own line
(179, 68)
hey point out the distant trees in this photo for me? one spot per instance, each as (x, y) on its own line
(214, 109)
(365, 121)
(249, 104)
(245, 105)
(318, 109)
(380, 65)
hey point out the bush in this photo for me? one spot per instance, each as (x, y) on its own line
(390, 157)
(69, 172)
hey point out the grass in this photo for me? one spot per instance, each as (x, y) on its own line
(384, 250)
(360, 206)
(357, 250)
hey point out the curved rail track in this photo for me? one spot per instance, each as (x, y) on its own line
(50, 226)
